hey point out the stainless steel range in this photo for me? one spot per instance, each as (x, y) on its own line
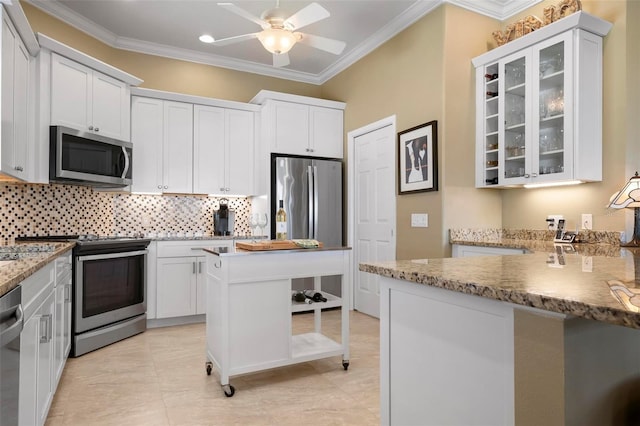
(109, 289)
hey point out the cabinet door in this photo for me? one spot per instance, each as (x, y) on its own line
(71, 94)
(291, 128)
(44, 375)
(515, 104)
(201, 288)
(240, 161)
(29, 343)
(209, 152)
(326, 132)
(177, 147)
(553, 133)
(146, 137)
(15, 95)
(110, 107)
(176, 287)
(58, 332)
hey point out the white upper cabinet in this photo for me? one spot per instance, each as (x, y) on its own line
(539, 106)
(16, 92)
(223, 151)
(86, 99)
(189, 144)
(300, 125)
(162, 138)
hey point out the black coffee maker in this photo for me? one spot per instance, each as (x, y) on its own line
(223, 219)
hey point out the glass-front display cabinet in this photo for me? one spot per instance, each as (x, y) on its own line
(539, 107)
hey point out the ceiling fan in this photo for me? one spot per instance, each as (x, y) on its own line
(280, 33)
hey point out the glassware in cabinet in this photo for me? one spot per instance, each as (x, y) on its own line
(491, 125)
(551, 107)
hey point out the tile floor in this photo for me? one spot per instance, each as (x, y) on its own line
(158, 378)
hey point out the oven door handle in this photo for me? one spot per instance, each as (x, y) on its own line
(112, 255)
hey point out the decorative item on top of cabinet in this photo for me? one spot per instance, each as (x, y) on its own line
(527, 133)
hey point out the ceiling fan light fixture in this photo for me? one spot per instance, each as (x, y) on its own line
(206, 38)
(277, 40)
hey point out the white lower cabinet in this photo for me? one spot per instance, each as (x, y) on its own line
(181, 277)
(37, 347)
(46, 338)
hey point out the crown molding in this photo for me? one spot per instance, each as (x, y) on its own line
(497, 9)
(402, 21)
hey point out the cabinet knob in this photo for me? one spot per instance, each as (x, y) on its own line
(166, 187)
(90, 127)
(527, 175)
(534, 174)
(222, 189)
(97, 130)
(227, 189)
(19, 168)
(159, 186)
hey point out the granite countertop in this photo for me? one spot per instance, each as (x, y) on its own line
(591, 281)
(31, 258)
(225, 251)
(183, 237)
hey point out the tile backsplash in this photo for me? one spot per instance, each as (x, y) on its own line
(28, 210)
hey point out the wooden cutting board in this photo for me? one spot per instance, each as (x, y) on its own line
(268, 245)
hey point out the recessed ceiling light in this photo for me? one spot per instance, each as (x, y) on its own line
(206, 38)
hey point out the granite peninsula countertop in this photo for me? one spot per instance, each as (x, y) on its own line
(32, 257)
(591, 281)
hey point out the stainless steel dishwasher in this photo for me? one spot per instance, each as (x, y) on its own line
(11, 323)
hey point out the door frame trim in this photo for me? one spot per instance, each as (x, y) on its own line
(351, 136)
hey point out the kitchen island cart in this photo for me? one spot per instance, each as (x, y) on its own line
(249, 307)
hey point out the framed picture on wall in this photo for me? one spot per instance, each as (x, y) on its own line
(418, 158)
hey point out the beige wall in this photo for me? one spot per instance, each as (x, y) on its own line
(168, 74)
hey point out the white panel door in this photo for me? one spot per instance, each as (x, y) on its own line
(110, 107)
(146, 137)
(178, 147)
(208, 149)
(375, 211)
(240, 152)
(71, 94)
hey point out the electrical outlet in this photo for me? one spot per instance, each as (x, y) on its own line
(587, 221)
(419, 220)
(552, 226)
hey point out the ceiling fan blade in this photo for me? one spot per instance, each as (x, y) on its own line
(327, 44)
(281, 60)
(306, 16)
(234, 39)
(241, 12)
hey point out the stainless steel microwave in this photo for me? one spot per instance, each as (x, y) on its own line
(85, 158)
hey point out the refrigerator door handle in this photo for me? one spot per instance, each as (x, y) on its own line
(315, 203)
(310, 196)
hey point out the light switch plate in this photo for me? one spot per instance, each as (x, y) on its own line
(419, 220)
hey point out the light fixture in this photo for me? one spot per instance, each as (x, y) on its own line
(277, 40)
(549, 184)
(206, 38)
(629, 197)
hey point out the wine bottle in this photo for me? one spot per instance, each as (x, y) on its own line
(281, 223)
(492, 94)
(315, 296)
(490, 77)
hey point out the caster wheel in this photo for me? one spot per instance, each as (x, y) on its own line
(345, 365)
(231, 390)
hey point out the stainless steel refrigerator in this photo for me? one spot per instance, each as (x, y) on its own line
(311, 191)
